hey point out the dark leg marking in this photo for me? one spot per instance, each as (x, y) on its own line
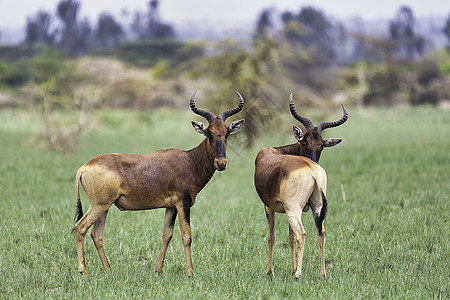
(187, 203)
(172, 221)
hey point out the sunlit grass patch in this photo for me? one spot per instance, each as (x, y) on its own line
(387, 228)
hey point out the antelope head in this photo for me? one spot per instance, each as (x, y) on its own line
(217, 132)
(311, 142)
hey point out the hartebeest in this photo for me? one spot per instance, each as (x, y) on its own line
(289, 180)
(169, 178)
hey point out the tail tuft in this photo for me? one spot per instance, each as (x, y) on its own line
(79, 212)
(323, 214)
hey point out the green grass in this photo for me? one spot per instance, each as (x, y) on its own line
(387, 227)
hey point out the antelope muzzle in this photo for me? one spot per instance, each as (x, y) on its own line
(220, 163)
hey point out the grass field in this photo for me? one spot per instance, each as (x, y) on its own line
(387, 227)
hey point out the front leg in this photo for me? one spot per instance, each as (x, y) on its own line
(169, 221)
(184, 211)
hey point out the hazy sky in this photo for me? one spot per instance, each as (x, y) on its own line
(229, 13)
(14, 12)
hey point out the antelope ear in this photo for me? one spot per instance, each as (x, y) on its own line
(298, 134)
(331, 142)
(235, 126)
(199, 127)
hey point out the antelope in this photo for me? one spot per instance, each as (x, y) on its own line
(169, 178)
(288, 179)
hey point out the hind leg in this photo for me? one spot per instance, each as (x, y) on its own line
(321, 239)
(169, 221)
(322, 252)
(291, 246)
(295, 223)
(319, 208)
(97, 237)
(81, 227)
(270, 215)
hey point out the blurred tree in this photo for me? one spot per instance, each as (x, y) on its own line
(84, 31)
(67, 11)
(308, 44)
(312, 37)
(149, 25)
(137, 26)
(108, 33)
(364, 49)
(234, 67)
(37, 30)
(264, 24)
(156, 27)
(318, 35)
(372, 48)
(446, 31)
(75, 35)
(401, 32)
(359, 45)
(287, 17)
(291, 30)
(377, 81)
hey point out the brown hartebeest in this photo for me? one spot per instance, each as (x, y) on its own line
(169, 178)
(289, 180)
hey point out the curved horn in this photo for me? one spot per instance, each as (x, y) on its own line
(305, 121)
(205, 114)
(324, 125)
(228, 113)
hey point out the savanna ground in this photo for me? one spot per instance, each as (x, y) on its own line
(387, 229)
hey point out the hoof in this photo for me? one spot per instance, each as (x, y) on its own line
(83, 273)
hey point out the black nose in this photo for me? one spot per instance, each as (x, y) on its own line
(221, 166)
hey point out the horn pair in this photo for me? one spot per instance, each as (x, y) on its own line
(223, 115)
(309, 124)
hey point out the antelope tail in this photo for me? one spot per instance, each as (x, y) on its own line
(322, 215)
(321, 185)
(79, 211)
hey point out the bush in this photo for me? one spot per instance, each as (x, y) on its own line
(43, 67)
(426, 97)
(15, 74)
(38, 69)
(427, 72)
(428, 87)
(147, 54)
(382, 87)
